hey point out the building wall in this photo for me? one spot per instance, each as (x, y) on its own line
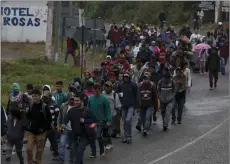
(23, 21)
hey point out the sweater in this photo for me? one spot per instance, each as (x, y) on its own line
(148, 94)
(100, 107)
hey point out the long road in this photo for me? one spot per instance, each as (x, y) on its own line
(202, 138)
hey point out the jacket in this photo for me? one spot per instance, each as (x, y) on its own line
(80, 128)
(167, 90)
(59, 97)
(131, 94)
(213, 63)
(148, 94)
(15, 132)
(62, 113)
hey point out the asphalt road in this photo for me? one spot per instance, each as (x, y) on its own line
(202, 138)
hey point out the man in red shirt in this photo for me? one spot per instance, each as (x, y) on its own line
(72, 45)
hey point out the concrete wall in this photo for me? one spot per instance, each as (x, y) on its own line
(23, 21)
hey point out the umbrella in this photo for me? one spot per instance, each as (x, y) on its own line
(202, 46)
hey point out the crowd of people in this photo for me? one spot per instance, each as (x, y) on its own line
(146, 71)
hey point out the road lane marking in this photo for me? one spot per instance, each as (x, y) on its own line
(189, 144)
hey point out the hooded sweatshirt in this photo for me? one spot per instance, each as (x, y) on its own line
(167, 90)
(43, 91)
(148, 95)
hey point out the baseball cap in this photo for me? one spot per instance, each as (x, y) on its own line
(111, 74)
(220, 23)
(71, 95)
(126, 75)
(108, 56)
(108, 83)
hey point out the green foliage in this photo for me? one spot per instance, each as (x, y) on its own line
(34, 71)
(136, 11)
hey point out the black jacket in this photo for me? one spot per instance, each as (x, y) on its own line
(39, 118)
(80, 129)
(213, 63)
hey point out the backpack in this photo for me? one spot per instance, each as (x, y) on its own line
(173, 86)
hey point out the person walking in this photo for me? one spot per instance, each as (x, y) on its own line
(52, 132)
(115, 106)
(213, 67)
(180, 80)
(65, 130)
(100, 106)
(129, 94)
(83, 125)
(149, 102)
(15, 133)
(166, 90)
(39, 120)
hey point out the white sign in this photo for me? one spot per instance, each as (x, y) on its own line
(25, 22)
(225, 9)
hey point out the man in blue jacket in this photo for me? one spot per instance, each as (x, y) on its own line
(129, 94)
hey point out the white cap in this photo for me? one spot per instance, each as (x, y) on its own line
(220, 23)
(108, 56)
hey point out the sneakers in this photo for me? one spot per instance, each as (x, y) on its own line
(138, 128)
(145, 133)
(108, 147)
(165, 128)
(102, 154)
(124, 140)
(92, 156)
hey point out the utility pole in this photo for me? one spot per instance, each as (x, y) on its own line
(94, 42)
(57, 25)
(49, 30)
(82, 26)
(217, 11)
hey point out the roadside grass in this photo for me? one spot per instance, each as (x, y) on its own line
(38, 50)
(34, 71)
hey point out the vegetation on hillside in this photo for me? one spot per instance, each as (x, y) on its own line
(33, 71)
(136, 11)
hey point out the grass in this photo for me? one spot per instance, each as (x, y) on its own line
(38, 50)
(35, 71)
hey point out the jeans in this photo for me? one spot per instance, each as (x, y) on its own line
(166, 111)
(100, 127)
(179, 104)
(79, 145)
(72, 52)
(145, 117)
(127, 115)
(66, 137)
